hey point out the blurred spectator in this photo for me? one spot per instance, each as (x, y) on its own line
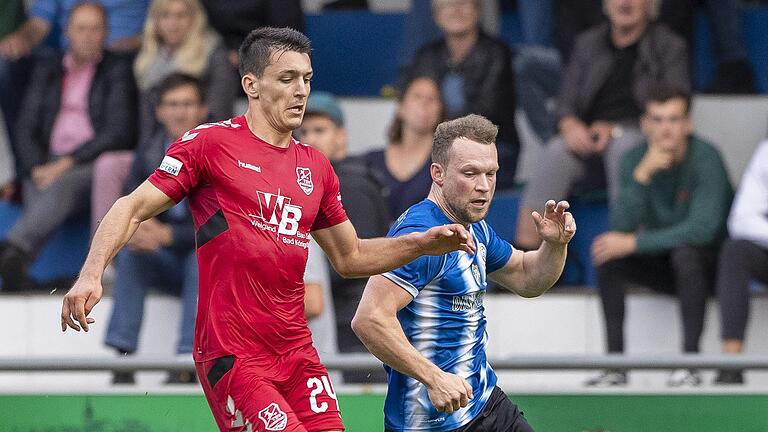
(161, 253)
(744, 258)
(12, 71)
(603, 91)
(177, 38)
(234, 19)
(49, 18)
(79, 104)
(364, 201)
(419, 27)
(7, 168)
(666, 226)
(474, 73)
(318, 304)
(734, 72)
(404, 163)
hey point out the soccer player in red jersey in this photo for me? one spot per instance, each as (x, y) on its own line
(255, 195)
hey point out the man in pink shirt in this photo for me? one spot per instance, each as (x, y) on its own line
(79, 104)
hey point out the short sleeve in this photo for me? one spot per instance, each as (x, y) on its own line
(417, 274)
(498, 249)
(45, 10)
(331, 210)
(181, 168)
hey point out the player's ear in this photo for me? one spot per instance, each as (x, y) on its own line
(438, 173)
(250, 85)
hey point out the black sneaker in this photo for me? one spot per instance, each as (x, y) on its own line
(729, 377)
(181, 377)
(14, 263)
(123, 378)
(608, 378)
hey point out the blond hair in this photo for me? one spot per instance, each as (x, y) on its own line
(191, 57)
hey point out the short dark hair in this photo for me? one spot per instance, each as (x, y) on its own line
(176, 80)
(472, 127)
(662, 94)
(258, 46)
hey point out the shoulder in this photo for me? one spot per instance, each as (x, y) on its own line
(662, 32)
(431, 48)
(494, 45)
(704, 151)
(208, 132)
(634, 154)
(416, 218)
(594, 36)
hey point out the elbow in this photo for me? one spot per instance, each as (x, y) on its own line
(347, 270)
(363, 325)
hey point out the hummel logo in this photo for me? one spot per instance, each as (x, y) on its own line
(249, 166)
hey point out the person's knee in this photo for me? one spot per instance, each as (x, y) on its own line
(736, 251)
(686, 256)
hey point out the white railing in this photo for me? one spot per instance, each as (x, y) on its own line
(367, 362)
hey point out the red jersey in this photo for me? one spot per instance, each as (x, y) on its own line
(253, 206)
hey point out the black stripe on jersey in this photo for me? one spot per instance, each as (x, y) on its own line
(220, 367)
(215, 225)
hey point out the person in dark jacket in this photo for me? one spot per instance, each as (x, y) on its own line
(79, 104)
(161, 254)
(474, 72)
(605, 85)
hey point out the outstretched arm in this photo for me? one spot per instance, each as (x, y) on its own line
(113, 233)
(355, 257)
(376, 324)
(530, 274)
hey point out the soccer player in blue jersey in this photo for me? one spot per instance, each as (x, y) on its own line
(426, 320)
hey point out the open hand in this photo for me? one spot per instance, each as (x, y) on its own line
(556, 225)
(446, 238)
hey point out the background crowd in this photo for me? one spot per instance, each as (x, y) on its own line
(93, 93)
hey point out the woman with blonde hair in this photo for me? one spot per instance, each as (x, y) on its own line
(176, 39)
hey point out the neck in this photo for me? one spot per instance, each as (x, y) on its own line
(262, 129)
(460, 44)
(436, 196)
(82, 61)
(412, 139)
(682, 149)
(623, 37)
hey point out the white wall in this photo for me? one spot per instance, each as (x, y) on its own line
(554, 324)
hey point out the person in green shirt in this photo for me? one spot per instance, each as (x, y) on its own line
(666, 226)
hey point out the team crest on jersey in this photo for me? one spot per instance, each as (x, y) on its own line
(304, 179)
(476, 274)
(273, 417)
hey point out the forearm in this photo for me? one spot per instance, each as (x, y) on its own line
(542, 268)
(384, 338)
(34, 30)
(379, 255)
(114, 231)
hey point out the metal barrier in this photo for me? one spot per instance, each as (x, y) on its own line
(368, 362)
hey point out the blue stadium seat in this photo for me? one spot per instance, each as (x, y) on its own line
(65, 252)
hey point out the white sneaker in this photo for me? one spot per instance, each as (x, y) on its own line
(608, 378)
(684, 378)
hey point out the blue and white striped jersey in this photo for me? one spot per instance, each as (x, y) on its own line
(445, 321)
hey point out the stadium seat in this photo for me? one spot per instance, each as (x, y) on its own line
(65, 252)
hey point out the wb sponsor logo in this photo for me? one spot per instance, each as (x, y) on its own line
(468, 302)
(277, 214)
